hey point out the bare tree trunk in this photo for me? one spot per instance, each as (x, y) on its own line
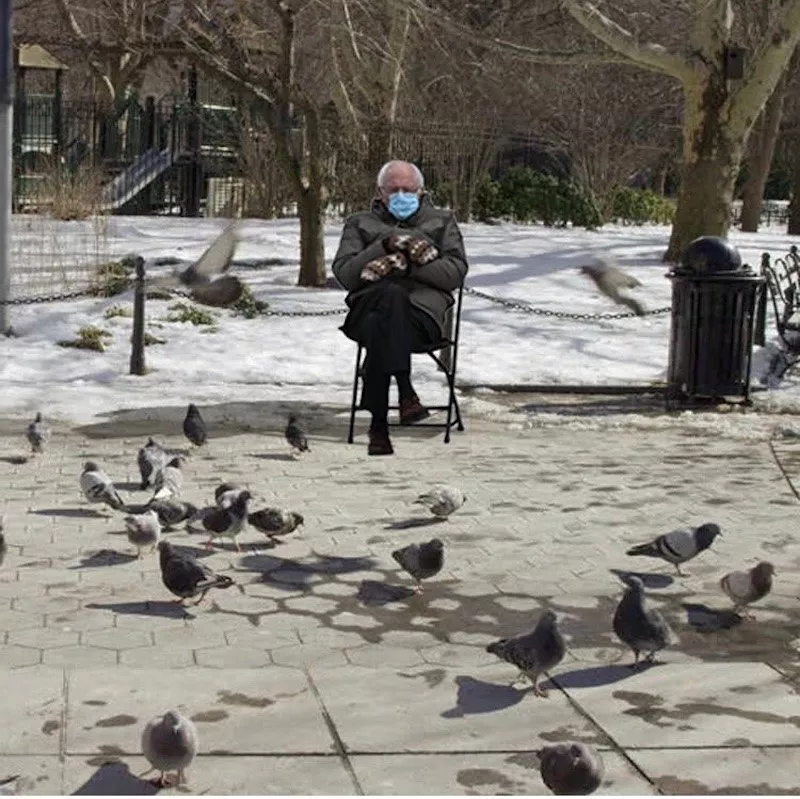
(763, 149)
(311, 210)
(793, 228)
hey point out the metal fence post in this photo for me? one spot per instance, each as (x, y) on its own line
(760, 328)
(6, 144)
(137, 366)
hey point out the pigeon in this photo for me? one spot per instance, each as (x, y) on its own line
(225, 493)
(744, 588)
(217, 521)
(610, 280)
(151, 459)
(3, 542)
(441, 501)
(296, 436)
(172, 512)
(571, 768)
(169, 743)
(194, 428)
(169, 481)
(97, 486)
(183, 576)
(534, 652)
(679, 546)
(144, 529)
(641, 629)
(38, 434)
(274, 522)
(421, 560)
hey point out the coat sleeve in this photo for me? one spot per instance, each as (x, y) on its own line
(448, 271)
(353, 255)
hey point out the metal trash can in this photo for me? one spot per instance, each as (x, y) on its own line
(714, 298)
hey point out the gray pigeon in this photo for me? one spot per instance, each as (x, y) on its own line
(744, 588)
(183, 576)
(679, 546)
(172, 512)
(194, 428)
(169, 743)
(421, 561)
(274, 522)
(641, 629)
(217, 521)
(97, 486)
(151, 459)
(442, 500)
(169, 482)
(535, 652)
(144, 530)
(295, 435)
(611, 280)
(571, 768)
(3, 542)
(38, 434)
(225, 493)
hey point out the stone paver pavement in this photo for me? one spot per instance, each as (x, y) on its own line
(317, 673)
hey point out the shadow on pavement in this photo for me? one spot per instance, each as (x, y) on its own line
(649, 580)
(595, 675)
(476, 696)
(104, 557)
(70, 513)
(169, 610)
(116, 779)
(706, 619)
(407, 524)
(374, 592)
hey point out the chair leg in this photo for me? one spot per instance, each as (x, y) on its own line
(354, 397)
(451, 401)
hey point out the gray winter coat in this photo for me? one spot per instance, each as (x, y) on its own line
(431, 286)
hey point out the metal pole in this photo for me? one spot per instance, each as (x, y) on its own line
(6, 164)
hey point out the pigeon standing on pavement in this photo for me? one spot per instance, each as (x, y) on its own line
(274, 522)
(183, 576)
(169, 482)
(217, 521)
(296, 436)
(535, 652)
(642, 629)
(611, 281)
(441, 501)
(421, 561)
(150, 459)
(169, 743)
(571, 768)
(97, 486)
(171, 512)
(679, 546)
(744, 588)
(38, 434)
(194, 428)
(144, 530)
(225, 493)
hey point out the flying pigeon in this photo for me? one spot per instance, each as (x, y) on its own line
(571, 768)
(744, 588)
(171, 512)
(150, 459)
(534, 652)
(97, 486)
(421, 561)
(183, 576)
(169, 743)
(194, 428)
(679, 546)
(144, 529)
(296, 436)
(225, 493)
(641, 629)
(3, 542)
(217, 521)
(274, 522)
(441, 501)
(611, 280)
(169, 481)
(38, 434)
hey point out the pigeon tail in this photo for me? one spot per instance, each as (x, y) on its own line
(648, 550)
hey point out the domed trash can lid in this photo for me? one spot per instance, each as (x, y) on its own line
(711, 256)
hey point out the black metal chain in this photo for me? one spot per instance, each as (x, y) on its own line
(68, 295)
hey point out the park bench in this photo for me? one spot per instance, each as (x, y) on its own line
(783, 291)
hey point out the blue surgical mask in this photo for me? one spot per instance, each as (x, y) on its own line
(402, 205)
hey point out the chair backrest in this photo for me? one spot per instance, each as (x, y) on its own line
(452, 320)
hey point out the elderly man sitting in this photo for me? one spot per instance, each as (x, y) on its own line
(400, 261)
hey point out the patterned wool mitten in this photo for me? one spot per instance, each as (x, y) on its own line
(378, 268)
(421, 252)
(397, 242)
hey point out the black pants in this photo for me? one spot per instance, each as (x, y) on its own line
(385, 323)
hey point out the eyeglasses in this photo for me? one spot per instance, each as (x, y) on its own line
(391, 188)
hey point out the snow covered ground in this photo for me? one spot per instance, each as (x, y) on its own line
(271, 358)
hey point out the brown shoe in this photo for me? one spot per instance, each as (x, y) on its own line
(412, 410)
(379, 443)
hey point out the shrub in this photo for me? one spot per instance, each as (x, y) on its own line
(150, 339)
(89, 338)
(248, 306)
(637, 207)
(116, 311)
(112, 278)
(183, 312)
(71, 194)
(488, 203)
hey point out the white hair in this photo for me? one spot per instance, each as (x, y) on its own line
(384, 171)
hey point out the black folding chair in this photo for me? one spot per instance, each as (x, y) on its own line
(445, 355)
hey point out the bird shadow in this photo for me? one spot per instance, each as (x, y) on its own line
(272, 456)
(71, 513)
(477, 696)
(708, 620)
(116, 779)
(167, 610)
(129, 487)
(595, 675)
(374, 592)
(649, 580)
(104, 557)
(408, 524)
(15, 460)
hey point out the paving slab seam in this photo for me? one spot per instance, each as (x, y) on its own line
(341, 750)
(62, 730)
